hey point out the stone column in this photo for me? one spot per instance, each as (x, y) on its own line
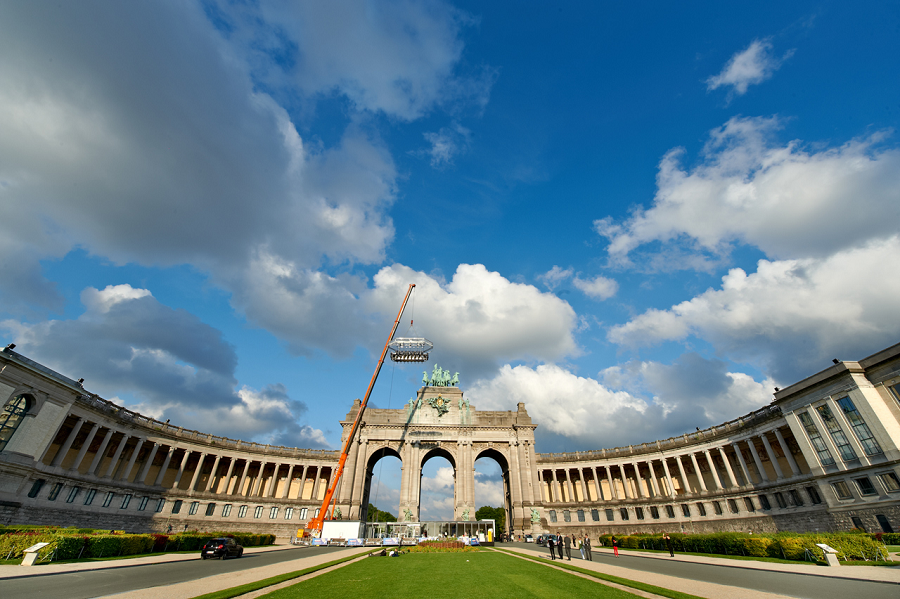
(257, 482)
(184, 460)
(697, 470)
(115, 459)
(302, 483)
(624, 475)
(134, 454)
(597, 484)
(773, 459)
(713, 469)
(239, 489)
(653, 483)
(668, 478)
(67, 445)
(287, 482)
(744, 470)
(759, 466)
(270, 489)
(315, 495)
(196, 475)
(84, 447)
(685, 484)
(212, 474)
(613, 493)
(638, 479)
(570, 488)
(732, 479)
(142, 475)
(99, 455)
(165, 466)
(787, 453)
(231, 462)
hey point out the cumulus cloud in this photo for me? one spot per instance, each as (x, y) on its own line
(556, 276)
(792, 316)
(788, 201)
(171, 364)
(598, 287)
(750, 66)
(640, 401)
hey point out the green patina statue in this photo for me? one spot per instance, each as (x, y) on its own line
(440, 378)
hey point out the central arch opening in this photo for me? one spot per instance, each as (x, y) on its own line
(492, 491)
(381, 494)
(437, 487)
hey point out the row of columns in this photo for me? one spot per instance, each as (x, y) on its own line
(118, 470)
(555, 483)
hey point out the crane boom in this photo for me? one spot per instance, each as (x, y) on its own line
(315, 525)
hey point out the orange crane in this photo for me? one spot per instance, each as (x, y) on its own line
(314, 528)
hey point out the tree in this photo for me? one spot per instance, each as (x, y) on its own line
(376, 515)
(497, 514)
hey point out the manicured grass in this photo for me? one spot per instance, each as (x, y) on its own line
(649, 588)
(774, 560)
(267, 582)
(481, 575)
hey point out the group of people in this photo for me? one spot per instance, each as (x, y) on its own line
(560, 542)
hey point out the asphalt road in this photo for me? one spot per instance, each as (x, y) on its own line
(96, 583)
(792, 585)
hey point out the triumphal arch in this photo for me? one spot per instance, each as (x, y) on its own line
(440, 422)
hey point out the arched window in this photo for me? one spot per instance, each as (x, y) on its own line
(11, 417)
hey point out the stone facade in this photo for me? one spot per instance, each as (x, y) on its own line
(823, 456)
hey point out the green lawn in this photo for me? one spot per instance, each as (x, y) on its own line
(485, 574)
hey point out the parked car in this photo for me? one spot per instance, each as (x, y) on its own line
(529, 539)
(221, 548)
(542, 540)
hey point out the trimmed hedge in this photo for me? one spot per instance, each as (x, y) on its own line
(785, 545)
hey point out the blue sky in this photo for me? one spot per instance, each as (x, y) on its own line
(636, 218)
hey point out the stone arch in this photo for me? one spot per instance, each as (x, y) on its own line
(372, 459)
(13, 414)
(426, 455)
(503, 461)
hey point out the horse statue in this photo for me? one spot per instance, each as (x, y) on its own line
(425, 378)
(454, 382)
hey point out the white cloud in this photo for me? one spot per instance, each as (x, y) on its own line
(749, 67)
(787, 201)
(556, 276)
(599, 287)
(791, 315)
(172, 364)
(446, 144)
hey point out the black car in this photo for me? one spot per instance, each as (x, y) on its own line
(221, 548)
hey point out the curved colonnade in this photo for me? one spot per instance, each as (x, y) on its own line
(823, 456)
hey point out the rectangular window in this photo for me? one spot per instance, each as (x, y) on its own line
(242, 511)
(226, 510)
(125, 501)
(54, 491)
(288, 513)
(815, 438)
(160, 504)
(610, 515)
(841, 490)
(36, 487)
(795, 497)
(865, 486)
(623, 513)
(639, 513)
(895, 389)
(837, 434)
(732, 506)
(595, 515)
(701, 509)
(859, 426)
(717, 506)
(143, 505)
(304, 513)
(567, 516)
(210, 509)
(857, 523)
(654, 512)
(749, 504)
(89, 498)
(883, 522)
(580, 515)
(670, 511)
(890, 482)
(685, 510)
(73, 493)
(176, 507)
(764, 502)
(779, 499)
(108, 499)
(552, 515)
(316, 514)
(814, 496)
(273, 513)
(195, 505)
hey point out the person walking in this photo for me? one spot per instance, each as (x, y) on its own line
(559, 544)
(669, 544)
(586, 548)
(551, 544)
(615, 543)
(567, 541)
(578, 545)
